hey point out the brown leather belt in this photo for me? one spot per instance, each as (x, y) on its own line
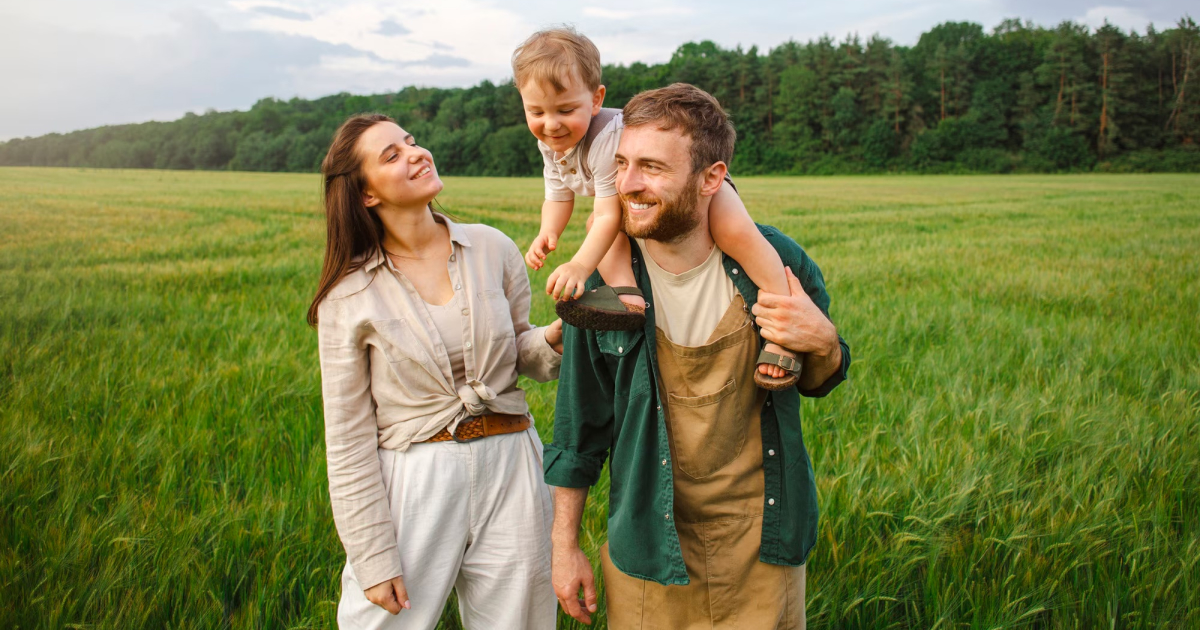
(481, 427)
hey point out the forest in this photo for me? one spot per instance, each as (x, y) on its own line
(1022, 98)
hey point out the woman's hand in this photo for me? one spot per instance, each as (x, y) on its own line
(554, 336)
(389, 595)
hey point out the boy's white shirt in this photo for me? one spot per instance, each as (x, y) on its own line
(564, 176)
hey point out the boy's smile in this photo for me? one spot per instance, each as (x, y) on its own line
(560, 120)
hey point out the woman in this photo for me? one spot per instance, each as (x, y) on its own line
(435, 473)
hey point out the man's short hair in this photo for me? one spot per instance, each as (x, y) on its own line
(555, 56)
(694, 112)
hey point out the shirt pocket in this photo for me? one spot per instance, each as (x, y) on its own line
(497, 314)
(618, 343)
(621, 349)
(707, 431)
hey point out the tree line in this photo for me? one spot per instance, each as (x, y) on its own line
(1022, 98)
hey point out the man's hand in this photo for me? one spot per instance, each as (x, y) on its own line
(567, 281)
(389, 595)
(554, 336)
(794, 321)
(541, 247)
(570, 571)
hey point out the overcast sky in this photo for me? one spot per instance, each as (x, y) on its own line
(74, 64)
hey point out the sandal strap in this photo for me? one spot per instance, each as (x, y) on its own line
(606, 298)
(790, 364)
(627, 291)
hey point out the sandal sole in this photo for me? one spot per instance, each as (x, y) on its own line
(773, 384)
(590, 318)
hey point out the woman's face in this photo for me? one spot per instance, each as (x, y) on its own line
(398, 173)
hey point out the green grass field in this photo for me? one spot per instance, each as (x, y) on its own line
(1018, 445)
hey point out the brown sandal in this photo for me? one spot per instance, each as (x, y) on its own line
(602, 309)
(770, 383)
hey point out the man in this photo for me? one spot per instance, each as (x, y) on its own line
(712, 507)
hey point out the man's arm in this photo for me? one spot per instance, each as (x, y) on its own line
(796, 323)
(800, 321)
(583, 419)
(571, 569)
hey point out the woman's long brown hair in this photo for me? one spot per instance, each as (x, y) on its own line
(351, 229)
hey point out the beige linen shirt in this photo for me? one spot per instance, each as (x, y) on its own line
(387, 381)
(565, 177)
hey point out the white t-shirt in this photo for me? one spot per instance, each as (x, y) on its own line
(564, 176)
(689, 306)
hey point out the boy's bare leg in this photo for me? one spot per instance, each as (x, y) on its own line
(734, 231)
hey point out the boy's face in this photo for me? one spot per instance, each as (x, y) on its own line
(560, 120)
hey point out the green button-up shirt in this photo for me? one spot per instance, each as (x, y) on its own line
(608, 405)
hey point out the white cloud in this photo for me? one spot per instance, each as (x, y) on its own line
(487, 33)
(1127, 18)
(133, 60)
(637, 12)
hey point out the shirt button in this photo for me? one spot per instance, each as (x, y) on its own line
(664, 462)
(564, 162)
(620, 349)
(466, 312)
(572, 171)
(771, 452)
(770, 501)
(667, 516)
(451, 257)
(735, 272)
(768, 403)
(467, 345)
(457, 287)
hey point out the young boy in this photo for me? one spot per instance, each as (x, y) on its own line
(557, 72)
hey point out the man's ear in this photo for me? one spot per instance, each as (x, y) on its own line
(597, 100)
(712, 178)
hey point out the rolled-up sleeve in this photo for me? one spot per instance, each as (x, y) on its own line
(356, 491)
(536, 359)
(834, 379)
(583, 414)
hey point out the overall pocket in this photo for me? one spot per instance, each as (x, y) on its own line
(707, 431)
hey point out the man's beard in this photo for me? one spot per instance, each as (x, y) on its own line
(676, 217)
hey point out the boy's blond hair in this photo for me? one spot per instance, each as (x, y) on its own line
(557, 56)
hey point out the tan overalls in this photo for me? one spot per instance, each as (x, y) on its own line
(713, 409)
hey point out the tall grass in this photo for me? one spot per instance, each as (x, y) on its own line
(1018, 446)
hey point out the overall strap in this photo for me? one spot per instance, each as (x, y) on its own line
(599, 122)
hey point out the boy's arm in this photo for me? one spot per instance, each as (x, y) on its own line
(568, 279)
(555, 216)
(606, 223)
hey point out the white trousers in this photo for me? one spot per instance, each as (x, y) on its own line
(474, 517)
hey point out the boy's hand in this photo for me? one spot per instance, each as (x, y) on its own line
(539, 249)
(567, 281)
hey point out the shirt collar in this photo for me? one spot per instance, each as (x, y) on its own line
(457, 235)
